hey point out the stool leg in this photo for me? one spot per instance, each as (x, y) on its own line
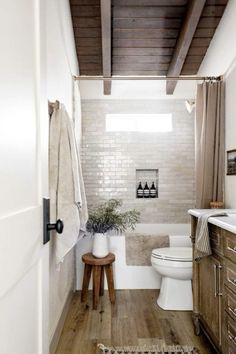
(110, 282)
(96, 285)
(86, 279)
(102, 282)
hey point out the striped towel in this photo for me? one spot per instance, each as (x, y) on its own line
(202, 242)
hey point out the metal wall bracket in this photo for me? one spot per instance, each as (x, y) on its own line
(46, 220)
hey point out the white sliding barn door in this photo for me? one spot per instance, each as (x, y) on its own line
(23, 178)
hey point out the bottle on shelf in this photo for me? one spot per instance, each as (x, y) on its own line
(146, 191)
(140, 191)
(153, 191)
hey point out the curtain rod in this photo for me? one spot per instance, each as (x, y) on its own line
(154, 77)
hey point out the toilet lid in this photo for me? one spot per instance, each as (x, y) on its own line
(181, 254)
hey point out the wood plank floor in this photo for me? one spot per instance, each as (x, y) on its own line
(135, 319)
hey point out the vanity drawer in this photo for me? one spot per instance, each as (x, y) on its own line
(230, 302)
(229, 240)
(230, 335)
(230, 275)
(215, 239)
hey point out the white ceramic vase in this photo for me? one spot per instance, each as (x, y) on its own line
(100, 245)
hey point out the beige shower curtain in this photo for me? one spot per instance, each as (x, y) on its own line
(209, 140)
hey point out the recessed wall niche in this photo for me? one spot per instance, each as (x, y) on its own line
(147, 183)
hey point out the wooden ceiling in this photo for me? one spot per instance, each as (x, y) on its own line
(144, 37)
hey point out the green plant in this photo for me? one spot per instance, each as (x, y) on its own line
(107, 217)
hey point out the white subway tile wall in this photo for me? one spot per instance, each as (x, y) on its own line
(110, 159)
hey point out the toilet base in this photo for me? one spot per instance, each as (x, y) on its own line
(175, 295)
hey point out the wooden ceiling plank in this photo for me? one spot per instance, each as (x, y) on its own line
(149, 2)
(184, 41)
(93, 22)
(217, 2)
(85, 2)
(148, 11)
(191, 66)
(142, 51)
(189, 72)
(120, 33)
(86, 42)
(193, 59)
(197, 50)
(106, 43)
(139, 72)
(146, 23)
(90, 66)
(201, 42)
(90, 72)
(151, 59)
(87, 32)
(142, 43)
(209, 22)
(139, 67)
(204, 32)
(85, 11)
(97, 59)
(213, 11)
(89, 50)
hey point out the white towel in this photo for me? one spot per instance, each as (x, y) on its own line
(64, 183)
(77, 118)
(202, 242)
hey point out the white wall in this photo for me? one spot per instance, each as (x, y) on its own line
(221, 59)
(230, 135)
(61, 54)
(61, 64)
(137, 90)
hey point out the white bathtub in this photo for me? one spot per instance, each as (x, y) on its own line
(134, 277)
(178, 233)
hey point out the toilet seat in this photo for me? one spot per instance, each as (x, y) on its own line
(176, 254)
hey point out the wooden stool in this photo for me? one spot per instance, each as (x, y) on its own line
(98, 265)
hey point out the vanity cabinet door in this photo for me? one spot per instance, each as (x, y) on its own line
(210, 285)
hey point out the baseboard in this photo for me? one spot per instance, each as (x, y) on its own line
(60, 325)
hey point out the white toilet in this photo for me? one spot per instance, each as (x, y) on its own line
(174, 264)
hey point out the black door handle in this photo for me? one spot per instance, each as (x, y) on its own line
(58, 226)
(47, 226)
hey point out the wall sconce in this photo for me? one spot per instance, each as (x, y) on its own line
(190, 104)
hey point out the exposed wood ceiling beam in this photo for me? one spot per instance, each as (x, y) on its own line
(184, 41)
(106, 44)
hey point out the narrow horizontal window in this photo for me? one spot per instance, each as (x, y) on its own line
(147, 123)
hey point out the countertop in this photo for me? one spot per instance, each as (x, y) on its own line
(225, 222)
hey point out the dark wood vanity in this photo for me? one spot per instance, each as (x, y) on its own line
(214, 290)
